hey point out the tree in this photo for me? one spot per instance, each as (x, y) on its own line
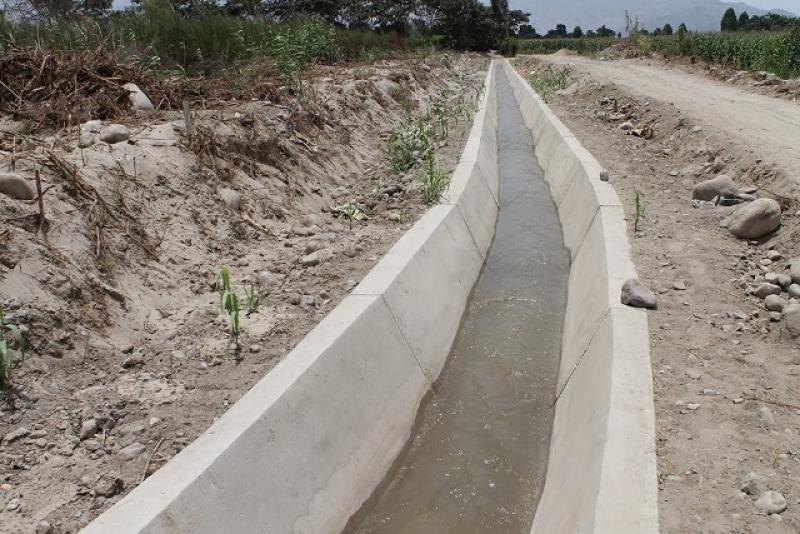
(602, 31)
(728, 23)
(667, 29)
(526, 31)
(577, 32)
(744, 18)
(682, 30)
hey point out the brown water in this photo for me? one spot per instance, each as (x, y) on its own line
(477, 459)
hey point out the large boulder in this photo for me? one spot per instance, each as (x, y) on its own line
(114, 133)
(711, 189)
(15, 186)
(791, 320)
(756, 219)
(139, 100)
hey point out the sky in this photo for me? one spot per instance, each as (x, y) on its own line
(788, 5)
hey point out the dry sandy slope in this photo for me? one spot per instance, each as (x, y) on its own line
(745, 117)
(727, 379)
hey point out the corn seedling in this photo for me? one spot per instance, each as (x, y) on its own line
(12, 353)
(229, 302)
(433, 181)
(550, 79)
(352, 211)
(640, 211)
(253, 299)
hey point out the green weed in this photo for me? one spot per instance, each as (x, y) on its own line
(352, 211)
(549, 79)
(253, 299)
(12, 353)
(229, 302)
(640, 211)
(434, 181)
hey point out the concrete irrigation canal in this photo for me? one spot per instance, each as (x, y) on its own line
(483, 377)
(478, 457)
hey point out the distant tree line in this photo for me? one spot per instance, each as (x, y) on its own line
(745, 23)
(462, 24)
(526, 31)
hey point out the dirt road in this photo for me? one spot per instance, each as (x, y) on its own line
(743, 117)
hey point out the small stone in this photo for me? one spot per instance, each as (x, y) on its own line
(753, 484)
(626, 126)
(85, 140)
(91, 445)
(636, 295)
(131, 451)
(126, 349)
(604, 176)
(692, 406)
(230, 198)
(765, 414)
(154, 421)
(295, 299)
(775, 317)
(693, 374)
(311, 219)
(16, 187)
(108, 486)
(114, 133)
(755, 219)
(40, 442)
(771, 502)
(773, 255)
(680, 285)
(767, 289)
(14, 435)
(88, 429)
(134, 360)
(308, 301)
(794, 270)
(766, 262)
(711, 189)
(774, 303)
(784, 280)
(13, 504)
(315, 258)
(794, 291)
(43, 527)
(697, 129)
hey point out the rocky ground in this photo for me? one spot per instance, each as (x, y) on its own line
(724, 339)
(130, 357)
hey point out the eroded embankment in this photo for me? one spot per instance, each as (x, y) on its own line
(477, 460)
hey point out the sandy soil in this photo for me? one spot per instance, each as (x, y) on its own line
(727, 377)
(130, 356)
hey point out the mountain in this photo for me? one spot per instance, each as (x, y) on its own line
(591, 14)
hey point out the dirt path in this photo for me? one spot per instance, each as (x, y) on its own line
(726, 374)
(744, 117)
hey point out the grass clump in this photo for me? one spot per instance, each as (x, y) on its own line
(549, 79)
(352, 211)
(640, 211)
(229, 302)
(434, 181)
(13, 348)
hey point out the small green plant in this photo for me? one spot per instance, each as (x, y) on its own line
(12, 354)
(229, 302)
(352, 211)
(640, 211)
(253, 299)
(433, 181)
(550, 79)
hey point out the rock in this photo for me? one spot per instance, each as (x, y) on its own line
(756, 219)
(766, 289)
(315, 258)
(791, 320)
(154, 421)
(794, 290)
(697, 129)
(230, 198)
(626, 126)
(308, 301)
(108, 486)
(93, 126)
(134, 360)
(139, 100)
(604, 176)
(771, 278)
(711, 189)
(784, 280)
(88, 429)
(132, 451)
(311, 219)
(775, 317)
(114, 133)
(753, 484)
(13, 504)
(295, 299)
(774, 303)
(718, 165)
(43, 527)
(637, 295)
(771, 502)
(773, 255)
(680, 285)
(313, 246)
(14, 435)
(765, 414)
(85, 140)
(794, 271)
(16, 187)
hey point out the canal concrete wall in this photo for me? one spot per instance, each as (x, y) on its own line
(601, 474)
(308, 444)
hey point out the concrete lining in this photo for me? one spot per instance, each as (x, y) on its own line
(308, 444)
(602, 469)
